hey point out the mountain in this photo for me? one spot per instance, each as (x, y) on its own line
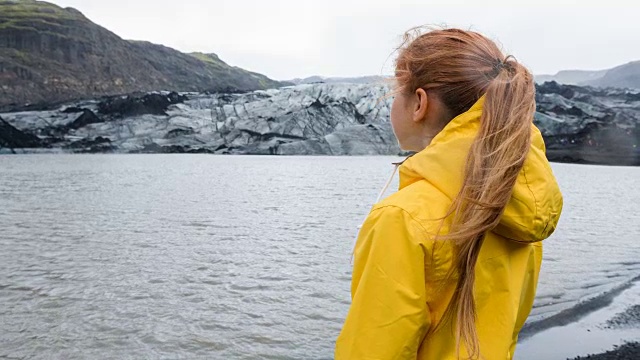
(623, 76)
(50, 54)
(339, 80)
(579, 124)
(571, 77)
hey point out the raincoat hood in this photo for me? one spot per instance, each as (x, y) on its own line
(532, 212)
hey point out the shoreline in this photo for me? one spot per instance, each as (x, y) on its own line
(576, 312)
(626, 162)
(605, 330)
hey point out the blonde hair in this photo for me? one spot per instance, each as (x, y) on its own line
(459, 67)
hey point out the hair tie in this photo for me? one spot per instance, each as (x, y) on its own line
(500, 65)
(497, 68)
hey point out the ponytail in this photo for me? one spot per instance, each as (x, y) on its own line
(496, 157)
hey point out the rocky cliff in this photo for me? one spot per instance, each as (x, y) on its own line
(579, 124)
(50, 54)
(333, 119)
(589, 125)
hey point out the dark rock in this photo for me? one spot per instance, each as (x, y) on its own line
(552, 87)
(223, 97)
(179, 132)
(174, 149)
(87, 117)
(11, 137)
(154, 104)
(201, 150)
(73, 109)
(226, 90)
(631, 97)
(628, 351)
(175, 98)
(574, 111)
(154, 148)
(98, 145)
(361, 119)
(317, 104)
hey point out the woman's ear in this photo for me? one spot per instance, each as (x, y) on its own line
(420, 108)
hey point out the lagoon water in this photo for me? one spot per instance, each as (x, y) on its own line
(236, 257)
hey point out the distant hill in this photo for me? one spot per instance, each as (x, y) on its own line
(571, 77)
(51, 54)
(339, 80)
(623, 76)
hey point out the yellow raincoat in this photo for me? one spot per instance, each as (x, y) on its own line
(400, 288)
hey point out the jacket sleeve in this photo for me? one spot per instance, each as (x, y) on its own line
(388, 317)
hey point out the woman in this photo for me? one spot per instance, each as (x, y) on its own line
(447, 267)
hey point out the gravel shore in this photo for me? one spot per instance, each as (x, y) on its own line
(629, 351)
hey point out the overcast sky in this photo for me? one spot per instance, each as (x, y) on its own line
(284, 39)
